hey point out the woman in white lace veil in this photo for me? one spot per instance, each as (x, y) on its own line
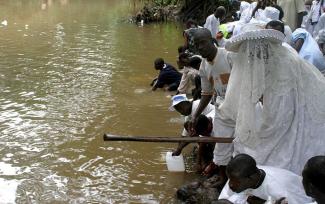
(292, 124)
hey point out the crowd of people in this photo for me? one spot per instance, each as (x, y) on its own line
(260, 80)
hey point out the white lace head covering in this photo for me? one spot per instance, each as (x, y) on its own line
(263, 66)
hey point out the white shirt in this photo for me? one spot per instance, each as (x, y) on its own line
(214, 75)
(212, 23)
(277, 183)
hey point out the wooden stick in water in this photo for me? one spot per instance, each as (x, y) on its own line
(110, 137)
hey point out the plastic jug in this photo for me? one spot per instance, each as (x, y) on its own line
(175, 163)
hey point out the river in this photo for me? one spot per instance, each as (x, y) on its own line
(71, 70)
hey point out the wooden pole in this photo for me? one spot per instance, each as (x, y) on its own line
(110, 137)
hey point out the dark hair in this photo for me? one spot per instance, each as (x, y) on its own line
(220, 11)
(314, 171)
(183, 55)
(281, 11)
(276, 25)
(195, 62)
(242, 165)
(181, 49)
(159, 62)
(191, 23)
(202, 124)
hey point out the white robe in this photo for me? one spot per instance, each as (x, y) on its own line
(293, 118)
(212, 23)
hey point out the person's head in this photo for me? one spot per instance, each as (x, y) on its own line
(195, 62)
(242, 172)
(220, 13)
(191, 24)
(204, 43)
(181, 49)
(159, 63)
(184, 59)
(276, 25)
(261, 4)
(181, 104)
(203, 126)
(235, 5)
(313, 177)
(281, 14)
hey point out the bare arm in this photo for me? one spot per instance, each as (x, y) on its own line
(298, 45)
(205, 100)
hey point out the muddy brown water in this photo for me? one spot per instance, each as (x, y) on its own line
(69, 72)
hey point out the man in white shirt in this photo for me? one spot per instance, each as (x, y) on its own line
(214, 72)
(246, 180)
(313, 179)
(213, 21)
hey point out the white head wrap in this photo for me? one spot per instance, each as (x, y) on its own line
(271, 13)
(244, 5)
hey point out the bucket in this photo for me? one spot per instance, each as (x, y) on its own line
(175, 163)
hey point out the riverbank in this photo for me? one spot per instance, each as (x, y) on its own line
(181, 11)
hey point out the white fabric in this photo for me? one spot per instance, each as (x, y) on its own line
(187, 82)
(291, 8)
(310, 50)
(293, 118)
(291, 49)
(243, 6)
(209, 109)
(271, 13)
(315, 11)
(212, 23)
(320, 25)
(222, 127)
(212, 73)
(313, 17)
(277, 183)
(245, 17)
(288, 34)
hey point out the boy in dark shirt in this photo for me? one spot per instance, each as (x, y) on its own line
(168, 75)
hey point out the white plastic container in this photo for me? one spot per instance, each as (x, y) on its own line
(175, 163)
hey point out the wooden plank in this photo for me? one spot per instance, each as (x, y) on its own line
(110, 137)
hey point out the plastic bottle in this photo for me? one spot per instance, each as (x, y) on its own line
(175, 163)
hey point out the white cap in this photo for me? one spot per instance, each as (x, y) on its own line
(271, 13)
(177, 99)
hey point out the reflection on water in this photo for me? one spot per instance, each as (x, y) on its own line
(70, 71)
